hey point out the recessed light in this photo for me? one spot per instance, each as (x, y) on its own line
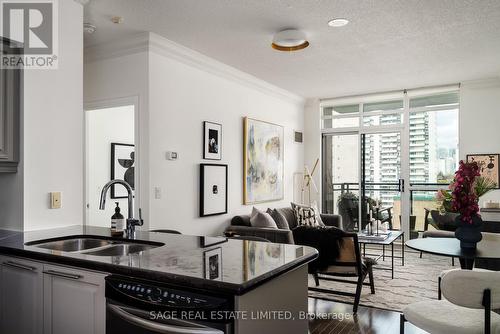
(338, 22)
(290, 40)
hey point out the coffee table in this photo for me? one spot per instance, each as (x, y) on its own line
(395, 234)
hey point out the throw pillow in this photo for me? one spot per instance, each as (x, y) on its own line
(262, 219)
(279, 219)
(305, 215)
(314, 205)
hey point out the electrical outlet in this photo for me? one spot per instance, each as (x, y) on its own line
(55, 200)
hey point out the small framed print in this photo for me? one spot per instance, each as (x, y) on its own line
(213, 264)
(211, 241)
(489, 167)
(213, 189)
(212, 141)
(122, 168)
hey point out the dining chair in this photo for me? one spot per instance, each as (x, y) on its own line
(349, 263)
(469, 298)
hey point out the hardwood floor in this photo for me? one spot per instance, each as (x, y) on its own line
(341, 320)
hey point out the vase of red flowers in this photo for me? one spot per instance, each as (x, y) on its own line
(465, 202)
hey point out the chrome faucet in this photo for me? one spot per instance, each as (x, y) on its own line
(131, 221)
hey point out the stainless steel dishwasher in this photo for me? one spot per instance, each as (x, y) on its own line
(140, 307)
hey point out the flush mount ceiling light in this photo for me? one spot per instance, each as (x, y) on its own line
(290, 40)
(338, 22)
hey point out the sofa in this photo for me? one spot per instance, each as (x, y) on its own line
(240, 225)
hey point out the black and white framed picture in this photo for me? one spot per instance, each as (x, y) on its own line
(211, 241)
(212, 141)
(213, 189)
(213, 264)
(122, 167)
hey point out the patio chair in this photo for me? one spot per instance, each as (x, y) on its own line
(470, 297)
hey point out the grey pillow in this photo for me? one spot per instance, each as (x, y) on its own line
(279, 219)
(262, 219)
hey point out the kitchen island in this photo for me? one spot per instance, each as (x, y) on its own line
(263, 285)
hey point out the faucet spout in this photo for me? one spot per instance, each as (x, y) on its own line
(131, 222)
(130, 196)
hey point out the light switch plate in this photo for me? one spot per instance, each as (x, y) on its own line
(55, 200)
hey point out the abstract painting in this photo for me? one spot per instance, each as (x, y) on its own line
(212, 141)
(488, 166)
(263, 161)
(122, 168)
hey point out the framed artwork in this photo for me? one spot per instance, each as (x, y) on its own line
(213, 189)
(212, 141)
(212, 260)
(211, 241)
(263, 161)
(488, 166)
(122, 167)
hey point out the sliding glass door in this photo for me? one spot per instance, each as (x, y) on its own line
(395, 149)
(361, 172)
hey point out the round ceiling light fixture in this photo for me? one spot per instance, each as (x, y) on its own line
(290, 40)
(338, 22)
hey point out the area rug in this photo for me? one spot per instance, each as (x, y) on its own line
(415, 281)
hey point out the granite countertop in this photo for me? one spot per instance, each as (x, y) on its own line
(180, 261)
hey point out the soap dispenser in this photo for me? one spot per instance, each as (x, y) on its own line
(117, 221)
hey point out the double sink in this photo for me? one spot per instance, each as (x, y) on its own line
(97, 246)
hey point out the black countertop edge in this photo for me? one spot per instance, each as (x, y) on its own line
(180, 280)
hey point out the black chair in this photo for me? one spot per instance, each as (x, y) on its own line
(349, 263)
(166, 231)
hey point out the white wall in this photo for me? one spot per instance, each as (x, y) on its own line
(479, 121)
(183, 89)
(312, 143)
(181, 98)
(52, 124)
(105, 126)
(115, 80)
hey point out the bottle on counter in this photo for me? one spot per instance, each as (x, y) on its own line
(117, 221)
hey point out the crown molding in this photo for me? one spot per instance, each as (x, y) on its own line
(150, 42)
(82, 2)
(482, 83)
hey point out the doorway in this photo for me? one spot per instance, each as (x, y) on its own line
(110, 153)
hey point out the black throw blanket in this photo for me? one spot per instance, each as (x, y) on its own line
(327, 240)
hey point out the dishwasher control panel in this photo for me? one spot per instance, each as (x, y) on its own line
(159, 294)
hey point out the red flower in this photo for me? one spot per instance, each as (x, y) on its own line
(464, 198)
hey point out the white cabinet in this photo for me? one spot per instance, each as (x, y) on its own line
(74, 301)
(41, 298)
(21, 296)
(10, 110)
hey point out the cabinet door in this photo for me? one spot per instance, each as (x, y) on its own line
(74, 301)
(21, 303)
(10, 109)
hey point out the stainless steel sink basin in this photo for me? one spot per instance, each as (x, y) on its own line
(98, 246)
(74, 245)
(121, 249)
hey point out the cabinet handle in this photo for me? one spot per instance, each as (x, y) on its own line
(18, 266)
(61, 274)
